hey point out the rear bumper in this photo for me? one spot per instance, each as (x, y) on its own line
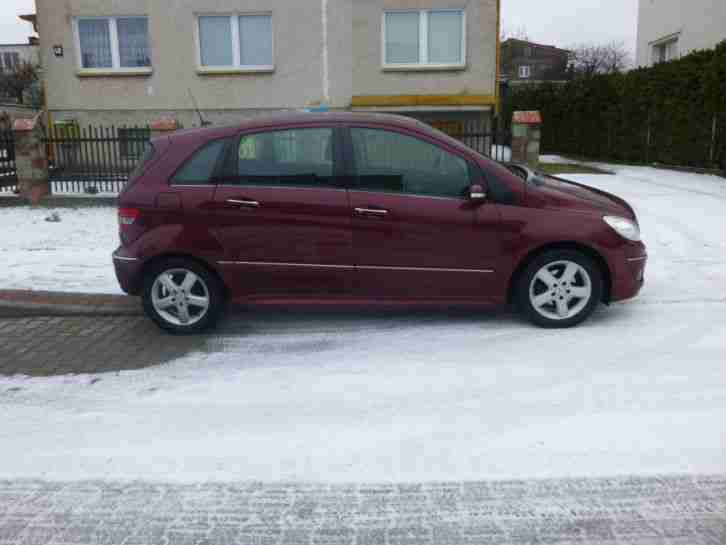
(628, 274)
(128, 272)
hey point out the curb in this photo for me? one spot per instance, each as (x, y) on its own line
(60, 201)
(22, 304)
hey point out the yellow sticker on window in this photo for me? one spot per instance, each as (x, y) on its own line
(248, 148)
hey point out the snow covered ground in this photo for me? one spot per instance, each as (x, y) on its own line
(72, 255)
(639, 389)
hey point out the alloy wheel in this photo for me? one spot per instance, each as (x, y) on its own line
(560, 290)
(180, 297)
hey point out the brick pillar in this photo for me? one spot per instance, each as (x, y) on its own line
(31, 161)
(526, 135)
(163, 126)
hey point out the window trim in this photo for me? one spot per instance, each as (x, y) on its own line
(115, 68)
(423, 49)
(236, 67)
(525, 69)
(672, 40)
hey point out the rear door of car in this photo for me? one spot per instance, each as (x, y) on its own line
(282, 214)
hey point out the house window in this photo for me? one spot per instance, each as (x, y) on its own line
(9, 61)
(665, 51)
(527, 51)
(242, 42)
(425, 38)
(113, 43)
(525, 72)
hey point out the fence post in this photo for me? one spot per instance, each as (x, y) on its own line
(526, 135)
(163, 126)
(31, 161)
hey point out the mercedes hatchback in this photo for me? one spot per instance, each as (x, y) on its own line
(359, 208)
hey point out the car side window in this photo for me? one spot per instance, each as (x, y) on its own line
(392, 162)
(296, 157)
(199, 169)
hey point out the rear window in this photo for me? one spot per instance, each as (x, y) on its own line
(199, 169)
(146, 156)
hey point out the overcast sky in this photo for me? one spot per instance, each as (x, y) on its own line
(556, 22)
(568, 22)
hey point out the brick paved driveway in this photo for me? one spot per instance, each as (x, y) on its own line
(45, 346)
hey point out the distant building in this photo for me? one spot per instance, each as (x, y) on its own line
(524, 62)
(669, 29)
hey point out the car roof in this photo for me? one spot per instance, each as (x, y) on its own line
(301, 117)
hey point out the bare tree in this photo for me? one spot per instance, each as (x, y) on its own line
(15, 82)
(588, 59)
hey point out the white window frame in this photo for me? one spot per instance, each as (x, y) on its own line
(670, 41)
(235, 68)
(423, 41)
(115, 67)
(525, 71)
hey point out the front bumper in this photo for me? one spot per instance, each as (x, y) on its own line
(628, 274)
(128, 272)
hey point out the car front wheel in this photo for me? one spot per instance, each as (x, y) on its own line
(182, 297)
(559, 288)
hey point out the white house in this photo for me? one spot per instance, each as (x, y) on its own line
(668, 29)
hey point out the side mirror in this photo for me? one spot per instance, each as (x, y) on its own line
(477, 193)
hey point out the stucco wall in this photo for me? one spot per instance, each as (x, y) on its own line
(477, 78)
(297, 78)
(701, 23)
(353, 39)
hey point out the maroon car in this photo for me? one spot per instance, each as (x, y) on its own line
(359, 208)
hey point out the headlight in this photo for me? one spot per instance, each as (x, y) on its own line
(626, 228)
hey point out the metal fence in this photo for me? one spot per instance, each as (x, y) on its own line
(8, 174)
(493, 141)
(494, 144)
(91, 159)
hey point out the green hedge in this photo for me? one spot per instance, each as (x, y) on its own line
(660, 114)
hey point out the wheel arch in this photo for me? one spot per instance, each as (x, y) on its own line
(563, 245)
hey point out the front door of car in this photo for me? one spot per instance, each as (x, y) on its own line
(282, 215)
(416, 235)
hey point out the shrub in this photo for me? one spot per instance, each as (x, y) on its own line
(664, 113)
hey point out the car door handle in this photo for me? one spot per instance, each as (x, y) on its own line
(244, 203)
(371, 212)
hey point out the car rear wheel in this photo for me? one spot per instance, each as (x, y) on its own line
(182, 297)
(559, 289)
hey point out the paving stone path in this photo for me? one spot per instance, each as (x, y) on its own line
(43, 346)
(666, 511)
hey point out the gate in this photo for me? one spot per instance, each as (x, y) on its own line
(494, 144)
(8, 174)
(93, 160)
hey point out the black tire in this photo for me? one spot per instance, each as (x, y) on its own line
(552, 259)
(207, 281)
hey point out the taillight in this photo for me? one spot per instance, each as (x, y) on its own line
(128, 216)
(130, 225)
